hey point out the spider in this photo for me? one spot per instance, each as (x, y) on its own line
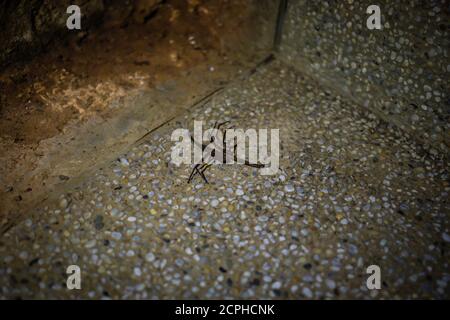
(201, 167)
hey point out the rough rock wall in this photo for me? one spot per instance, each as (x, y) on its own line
(29, 25)
(400, 72)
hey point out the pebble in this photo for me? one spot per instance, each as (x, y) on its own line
(63, 203)
(349, 182)
(116, 235)
(98, 222)
(23, 255)
(90, 244)
(214, 203)
(307, 293)
(289, 188)
(137, 272)
(330, 284)
(150, 257)
(276, 285)
(124, 162)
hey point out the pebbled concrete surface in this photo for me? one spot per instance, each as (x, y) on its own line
(85, 100)
(400, 72)
(352, 191)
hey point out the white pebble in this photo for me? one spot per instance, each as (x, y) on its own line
(137, 272)
(307, 293)
(214, 202)
(289, 188)
(446, 237)
(276, 285)
(150, 257)
(90, 244)
(63, 203)
(116, 235)
(23, 255)
(330, 284)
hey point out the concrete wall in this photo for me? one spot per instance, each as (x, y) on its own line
(400, 72)
(29, 25)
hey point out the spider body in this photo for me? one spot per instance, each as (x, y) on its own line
(200, 168)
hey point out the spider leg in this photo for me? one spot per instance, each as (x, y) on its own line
(203, 176)
(201, 167)
(221, 124)
(206, 166)
(200, 170)
(193, 172)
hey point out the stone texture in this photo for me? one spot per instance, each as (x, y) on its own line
(352, 191)
(97, 94)
(400, 72)
(29, 25)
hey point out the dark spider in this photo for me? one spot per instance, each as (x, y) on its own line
(201, 167)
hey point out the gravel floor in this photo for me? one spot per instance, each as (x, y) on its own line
(352, 191)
